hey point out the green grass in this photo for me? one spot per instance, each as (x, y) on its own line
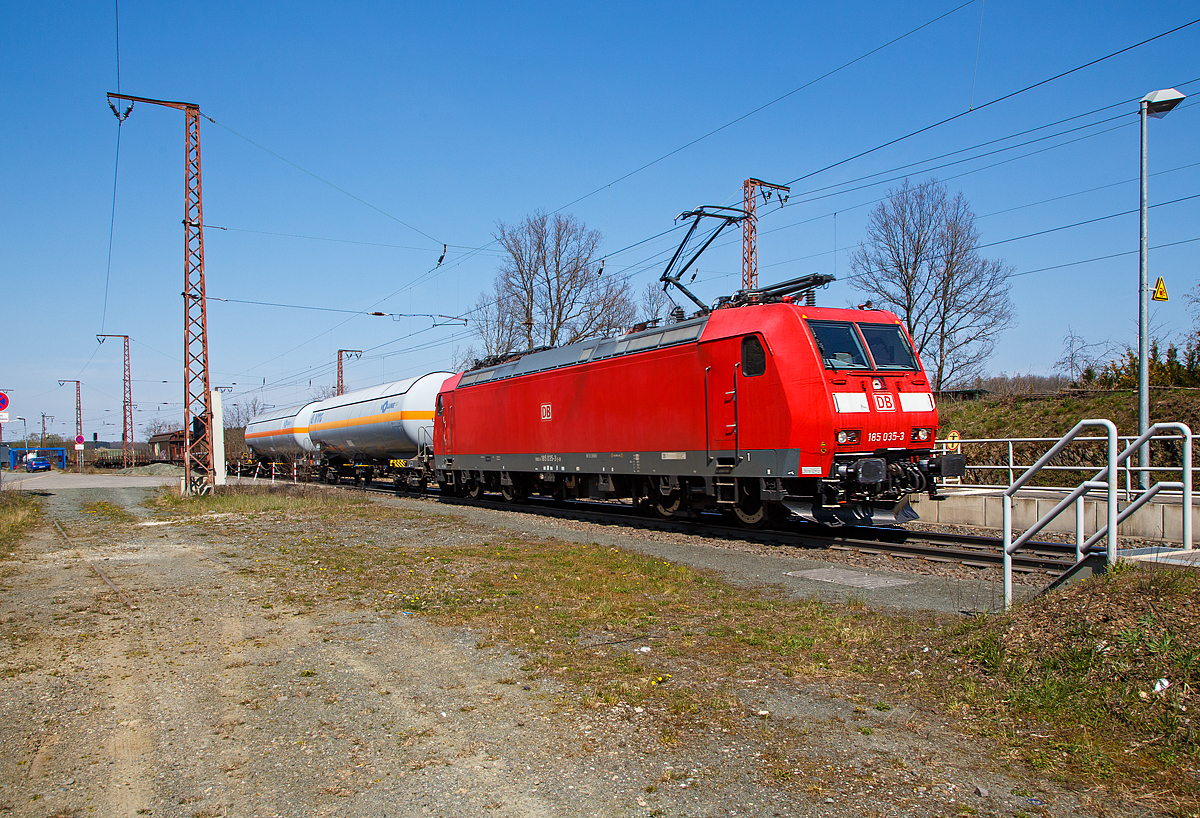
(257, 499)
(1072, 680)
(108, 511)
(1066, 682)
(19, 512)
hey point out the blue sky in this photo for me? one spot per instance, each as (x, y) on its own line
(446, 121)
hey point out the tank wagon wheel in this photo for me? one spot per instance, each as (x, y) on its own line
(331, 476)
(400, 482)
(367, 477)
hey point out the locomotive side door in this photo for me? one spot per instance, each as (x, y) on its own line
(720, 398)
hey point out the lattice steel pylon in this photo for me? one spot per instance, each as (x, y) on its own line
(126, 407)
(78, 421)
(750, 228)
(197, 395)
(353, 353)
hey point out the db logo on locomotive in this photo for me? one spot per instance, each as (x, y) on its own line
(545, 411)
(885, 403)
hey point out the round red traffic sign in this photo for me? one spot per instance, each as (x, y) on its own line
(3, 401)
(78, 438)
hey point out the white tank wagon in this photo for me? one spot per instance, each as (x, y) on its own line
(281, 433)
(375, 430)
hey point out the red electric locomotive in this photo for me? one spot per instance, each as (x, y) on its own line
(761, 406)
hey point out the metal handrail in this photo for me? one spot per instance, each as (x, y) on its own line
(1128, 467)
(1184, 486)
(1111, 484)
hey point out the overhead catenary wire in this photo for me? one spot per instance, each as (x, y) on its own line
(323, 180)
(766, 105)
(376, 313)
(999, 99)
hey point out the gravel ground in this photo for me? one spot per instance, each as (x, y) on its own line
(207, 700)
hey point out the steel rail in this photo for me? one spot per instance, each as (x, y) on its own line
(966, 549)
(99, 573)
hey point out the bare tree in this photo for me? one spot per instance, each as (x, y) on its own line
(238, 415)
(1193, 299)
(1079, 356)
(655, 304)
(158, 425)
(921, 259)
(548, 291)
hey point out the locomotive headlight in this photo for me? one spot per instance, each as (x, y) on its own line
(877, 384)
(845, 436)
(922, 435)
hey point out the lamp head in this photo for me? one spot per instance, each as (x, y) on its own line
(1159, 103)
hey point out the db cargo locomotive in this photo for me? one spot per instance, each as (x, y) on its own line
(761, 406)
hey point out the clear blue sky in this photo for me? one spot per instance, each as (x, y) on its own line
(449, 119)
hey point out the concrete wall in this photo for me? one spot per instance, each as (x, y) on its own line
(1155, 521)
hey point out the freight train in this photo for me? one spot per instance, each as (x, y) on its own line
(761, 406)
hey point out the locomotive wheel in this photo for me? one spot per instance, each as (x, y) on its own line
(474, 489)
(750, 510)
(511, 494)
(670, 506)
(367, 477)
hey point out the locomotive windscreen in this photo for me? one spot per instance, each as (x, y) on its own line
(888, 346)
(839, 344)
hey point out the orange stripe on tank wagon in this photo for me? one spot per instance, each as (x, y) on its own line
(295, 430)
(369, 419)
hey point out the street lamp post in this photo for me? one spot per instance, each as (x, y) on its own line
(25, 433)
(1156, 104)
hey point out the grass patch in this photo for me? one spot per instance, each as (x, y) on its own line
(256, 499)
(108, 511)
(19, 512)
(1068, 682)
(1095, 681)
(625, 628)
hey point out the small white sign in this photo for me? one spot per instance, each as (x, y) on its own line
(3, 417)
(79, 447)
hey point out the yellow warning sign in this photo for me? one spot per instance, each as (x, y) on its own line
(952, 444)
(1160, 290)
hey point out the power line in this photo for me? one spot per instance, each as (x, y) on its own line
(323, 180)
(1014, 238)
(766, 105)
(340, 241)
(1087, 221)
(334, 309)
(1101, 258)
(1009, 95)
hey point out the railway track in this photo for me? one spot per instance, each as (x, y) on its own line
(964, 549)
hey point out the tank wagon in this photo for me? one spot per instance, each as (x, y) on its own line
(365, 434)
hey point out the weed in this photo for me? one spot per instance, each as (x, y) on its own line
(19, 511)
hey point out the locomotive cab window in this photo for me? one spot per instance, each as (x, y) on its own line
(888, 346)
(439, 405)
(754, 357)
(838, 345)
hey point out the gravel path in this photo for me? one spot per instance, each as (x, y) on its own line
(209, 700)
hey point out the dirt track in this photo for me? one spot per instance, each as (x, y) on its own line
(211, 700)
